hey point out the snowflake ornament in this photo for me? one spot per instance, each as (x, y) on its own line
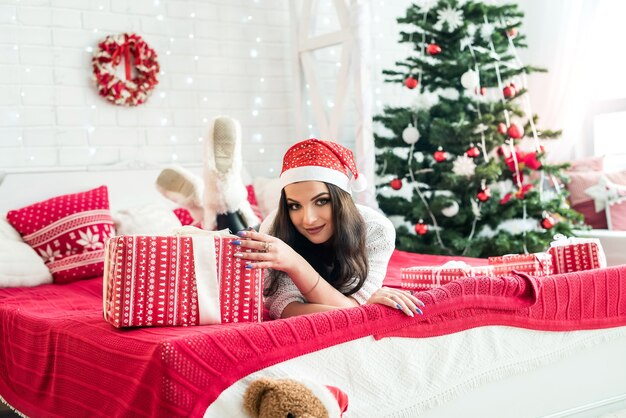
(464, 166)
(453, 18)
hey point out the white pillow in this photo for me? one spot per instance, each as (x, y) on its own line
(7, 231)
(267, 193)
(20, 265)
(154, 219)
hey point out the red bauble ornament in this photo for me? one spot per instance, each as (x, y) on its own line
(473, 151)
(509, 91)
(440, 155)
(396, 184)
(410, 82)
(433, 49)
(511, 32)
(482, 91)
(548, 222)
(502, 128)
(421, 228)
(515, 131)
(484, 194)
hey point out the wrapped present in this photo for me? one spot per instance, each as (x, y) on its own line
(428, 277)
(535, 264)
(191, 278)
(576, 254)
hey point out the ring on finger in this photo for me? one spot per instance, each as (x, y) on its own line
(266, 246)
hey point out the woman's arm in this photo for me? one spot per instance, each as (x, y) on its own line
(271, 252)
(299, 308)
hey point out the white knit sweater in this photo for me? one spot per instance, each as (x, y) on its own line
(380, 243)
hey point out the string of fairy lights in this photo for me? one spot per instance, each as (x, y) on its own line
(170, 47)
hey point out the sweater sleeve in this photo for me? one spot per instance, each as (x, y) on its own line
(380, 243)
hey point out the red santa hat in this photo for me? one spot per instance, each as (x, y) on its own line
(334, 399)
(317, 160)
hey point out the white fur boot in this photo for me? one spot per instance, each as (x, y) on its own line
(225, 196)
(184, 188)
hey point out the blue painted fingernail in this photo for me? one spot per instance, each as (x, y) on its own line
(398, 306)
(420, 303)
(419, 311)
(235, 242)
(242, 233)
(248, 266)
(250, 228)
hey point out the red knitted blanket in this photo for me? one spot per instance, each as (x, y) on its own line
(59, 358)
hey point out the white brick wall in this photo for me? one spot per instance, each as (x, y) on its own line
(51, 115)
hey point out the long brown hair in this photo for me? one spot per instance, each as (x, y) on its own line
(343, 260)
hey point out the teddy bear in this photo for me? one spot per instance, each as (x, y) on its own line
(289, 398)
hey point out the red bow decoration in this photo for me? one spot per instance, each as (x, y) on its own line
(519, 194)
(524, 160)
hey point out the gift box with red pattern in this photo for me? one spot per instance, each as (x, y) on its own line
(536, 264)
(576, 254)
(428, 277)
(178, 280)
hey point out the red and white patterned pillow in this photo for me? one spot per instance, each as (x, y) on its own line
(254, 204)
(68, 232)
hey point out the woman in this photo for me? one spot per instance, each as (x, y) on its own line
(323, 251)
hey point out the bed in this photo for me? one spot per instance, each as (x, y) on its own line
(514, 346)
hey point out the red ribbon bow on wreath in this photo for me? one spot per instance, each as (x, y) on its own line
(129, 47)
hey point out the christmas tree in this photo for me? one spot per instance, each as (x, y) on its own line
(463, 171)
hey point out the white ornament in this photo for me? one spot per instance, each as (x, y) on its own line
(486, 30)
(410, 135)
(419, 157)
(451, 210)
(464, 166)
(471, 29)
(452, 17)
(470, 79)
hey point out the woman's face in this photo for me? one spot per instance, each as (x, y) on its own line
(310, 210)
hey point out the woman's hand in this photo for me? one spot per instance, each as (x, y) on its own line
(265, 251)
(397, 299)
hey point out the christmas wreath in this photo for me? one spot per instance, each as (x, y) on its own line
(135, 52)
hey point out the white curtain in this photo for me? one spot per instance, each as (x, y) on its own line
(361, 70)
(581, 44)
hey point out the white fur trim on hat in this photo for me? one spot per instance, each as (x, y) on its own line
(315, 173)
(325, 396)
